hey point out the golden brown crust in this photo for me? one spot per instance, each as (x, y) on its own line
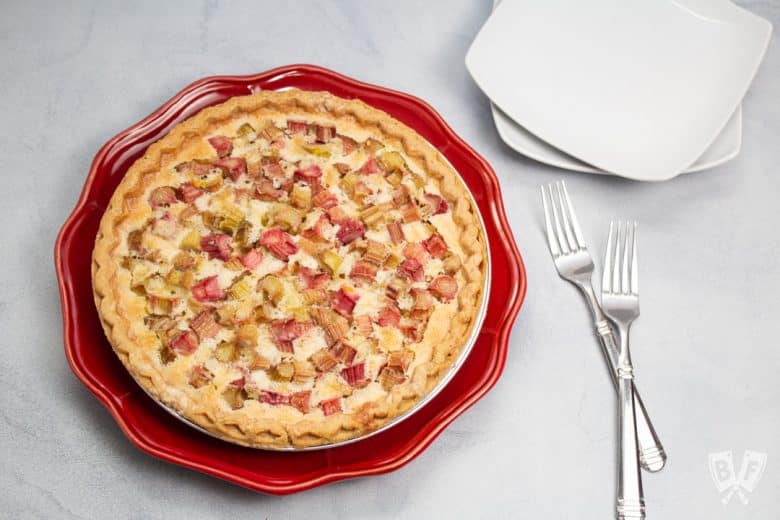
(247, 426)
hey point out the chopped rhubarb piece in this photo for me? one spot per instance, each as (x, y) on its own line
(312, 296)
(324, 199)
(284, 332)
(335, 325)
(297, 127)
(324, 134)
(310, 174)
(287, 185)
(389, 317)
(344, 301)
(347, 145)
(184, 343)
(252, 259)
(395, 287)
(265, 190)
(240, 195)
(161, 306)
(344, 353)
(343, 168)
(234, 166)
(304, 371)
(411, 268)
(331, 406)
(279, 243)
(376, 253)
(363, 271)
(409, 212)
(417, 251)
(323, 360)
(411, 332)
(259, 362)
(164, 226)
(337, 215)
(363, 323)
(369, 167)
(301, 400)
(221, 144)
(390, 376)
(361, 191)
(217, 245)
(208, 290)
(270, 132)
(350, 230)
(204, 325)
(135, 240)
(435, 246)
(187, 213)
(189, 192)
(400, 359)
(194, 167)
(288, 330)
(355, 374)
(423, 301)
(238, 383)
(162, 196)
(396, 232)
(273, 398)
(401, 196)
(436, 204)
(285, 346)
(444, 287)
(159, 323)
(422, 298)
(234, 396)
(317, 231)
(273, 171)
(199, 376)
(314, 279)
(254, 169)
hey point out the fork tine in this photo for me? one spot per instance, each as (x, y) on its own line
(574, 223)
(625, 286)
(551, 240)
(634, 265)
(565, 217)
(616, 261)
(559, 232)
(606, 277)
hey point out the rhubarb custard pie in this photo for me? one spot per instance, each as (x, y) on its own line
(290, 269)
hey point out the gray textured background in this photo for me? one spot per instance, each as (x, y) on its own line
(542, 442)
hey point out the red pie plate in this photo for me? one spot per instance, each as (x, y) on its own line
(151, 428)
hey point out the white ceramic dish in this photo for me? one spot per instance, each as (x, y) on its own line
(638, 89)
(724, 148)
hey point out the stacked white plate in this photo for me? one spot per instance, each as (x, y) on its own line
(645, 89)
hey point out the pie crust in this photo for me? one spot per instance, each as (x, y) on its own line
(260, 401)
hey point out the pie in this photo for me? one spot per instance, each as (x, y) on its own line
(289, 269)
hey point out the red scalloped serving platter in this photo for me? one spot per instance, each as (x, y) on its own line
(151, 428)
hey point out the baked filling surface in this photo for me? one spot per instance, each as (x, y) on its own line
(289, 269)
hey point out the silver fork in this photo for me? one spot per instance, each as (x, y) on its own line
(575, 264)
(620, 301)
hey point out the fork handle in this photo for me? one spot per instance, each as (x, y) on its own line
(652, 456)
(630, 499)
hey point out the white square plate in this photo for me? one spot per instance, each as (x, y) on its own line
(639, 89)
(724, 148)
